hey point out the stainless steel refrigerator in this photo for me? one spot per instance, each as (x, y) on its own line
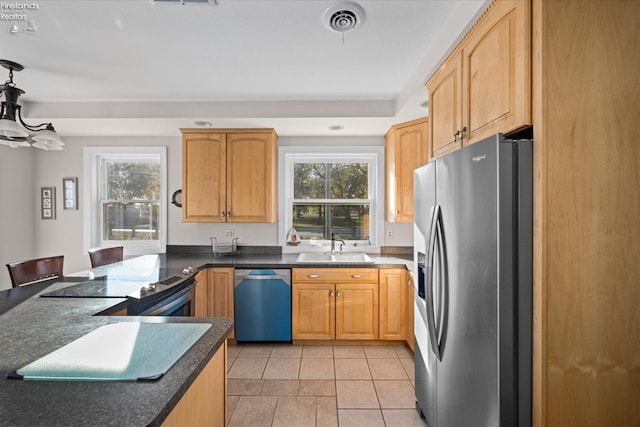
(473, 288)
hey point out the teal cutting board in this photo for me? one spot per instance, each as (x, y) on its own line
(125, 351)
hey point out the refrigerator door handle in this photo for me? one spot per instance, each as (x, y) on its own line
(430, 302)
(442, 287)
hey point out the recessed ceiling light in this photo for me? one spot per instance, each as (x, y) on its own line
(336, 127)
(202, 123)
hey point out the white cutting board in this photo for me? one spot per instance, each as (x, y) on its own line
(125, 351)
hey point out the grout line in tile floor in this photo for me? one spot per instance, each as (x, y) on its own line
(288, 385)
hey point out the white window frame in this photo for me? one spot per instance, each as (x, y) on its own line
(92, 210)
(374, 156)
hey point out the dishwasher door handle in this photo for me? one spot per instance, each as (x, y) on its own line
(260, 277)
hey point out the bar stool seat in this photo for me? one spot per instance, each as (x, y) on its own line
(35, 270)
(103, 256)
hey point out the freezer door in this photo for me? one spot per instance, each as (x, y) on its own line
(467, 387)
(425, 358)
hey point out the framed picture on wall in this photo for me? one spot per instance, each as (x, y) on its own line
(48, 202)
(70, 198)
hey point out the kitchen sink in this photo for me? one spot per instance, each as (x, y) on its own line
(319, 257)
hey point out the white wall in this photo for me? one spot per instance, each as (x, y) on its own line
(18, 207)
(25, 235)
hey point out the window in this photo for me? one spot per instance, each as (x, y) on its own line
(125, 202)
(330, 191)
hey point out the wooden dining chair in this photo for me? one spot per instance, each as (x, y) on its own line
(103, 256)
(35, 270)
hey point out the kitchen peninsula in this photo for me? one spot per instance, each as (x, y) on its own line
(33, 327)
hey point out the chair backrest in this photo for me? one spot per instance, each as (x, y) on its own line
(35, 270)
(103, 256)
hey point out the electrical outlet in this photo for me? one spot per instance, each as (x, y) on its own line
(389, 234)
(229, 234)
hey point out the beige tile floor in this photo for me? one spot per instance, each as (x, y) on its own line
(294, 385)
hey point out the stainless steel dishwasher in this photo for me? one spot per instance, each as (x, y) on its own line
(262, 305)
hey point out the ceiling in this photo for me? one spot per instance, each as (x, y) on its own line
(111, 67)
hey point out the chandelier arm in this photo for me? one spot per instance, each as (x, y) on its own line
(32, 128)
(14, 138)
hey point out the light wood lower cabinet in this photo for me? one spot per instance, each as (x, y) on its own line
(214, 293)
(204, 403)
(392, 304)
(335, 303)
(313, 311)
(356, 311)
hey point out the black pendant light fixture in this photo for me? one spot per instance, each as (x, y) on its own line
(12, 133)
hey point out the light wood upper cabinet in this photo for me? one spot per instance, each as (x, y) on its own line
(445, 107)
(204, 176)
(335, 303)
(496, 78)
(484, 87)
(406, 149)
(392, 304)
(229, 175)
(251, 177)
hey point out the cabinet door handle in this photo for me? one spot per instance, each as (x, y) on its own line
(331, 294)
(229, 214)
(356, 276)
(337, 293)
(313, 276)
(459, 134)
(223, 214)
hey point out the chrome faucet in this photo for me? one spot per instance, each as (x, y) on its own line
(333, 244)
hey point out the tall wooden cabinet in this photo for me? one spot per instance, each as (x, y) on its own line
(407, 145)
(587, 198)
(335, 303)
(214, 293)
(484, 87)
(229, 175)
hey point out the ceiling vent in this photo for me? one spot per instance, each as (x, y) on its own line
(183, 2)
(343, 16)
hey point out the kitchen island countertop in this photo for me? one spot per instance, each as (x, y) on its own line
(38, 326)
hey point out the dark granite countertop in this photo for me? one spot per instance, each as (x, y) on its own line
(203, 259)
(32, 327)
(38, 326)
